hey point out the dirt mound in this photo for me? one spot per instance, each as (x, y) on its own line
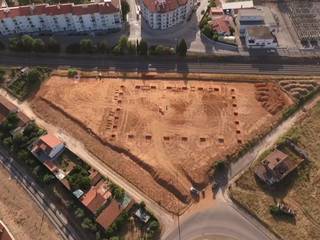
(270, 96)
(299, 88)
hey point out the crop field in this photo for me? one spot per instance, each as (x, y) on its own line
(300, 189)
(162, 135)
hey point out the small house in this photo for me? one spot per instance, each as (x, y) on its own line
(48, 147)
(275, 167)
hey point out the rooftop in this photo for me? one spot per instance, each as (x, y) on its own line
(109, 214)
(96, 197)
(221, 25)
(163, 6)
(50, 140)
(237, 5)
(259, 32)
(60, 9)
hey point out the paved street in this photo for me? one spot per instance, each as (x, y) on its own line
(221, 219)
(156, 65)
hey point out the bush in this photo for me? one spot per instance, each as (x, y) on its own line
(72, 72)
(38, 45)
(87, 46)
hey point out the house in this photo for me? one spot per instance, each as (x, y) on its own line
(61, 18)
(48, 147)
(6, 107)
(97, 196)
(5, 233)
(109, 214)
(276, 166)
(163, 14)
(260, 37)
(221, 25)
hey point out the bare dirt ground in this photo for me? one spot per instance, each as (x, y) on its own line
(21, 215)
(157, 133)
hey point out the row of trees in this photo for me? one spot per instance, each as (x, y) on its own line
(126, 47)
(27, 43)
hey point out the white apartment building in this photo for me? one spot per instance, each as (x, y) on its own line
(260, 37)
(63, 18)
(163, 14)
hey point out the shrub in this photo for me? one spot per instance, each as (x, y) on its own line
(72, 72)
(38, 45)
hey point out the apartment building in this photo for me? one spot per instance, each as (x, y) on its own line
(63, 18)
(163, 14)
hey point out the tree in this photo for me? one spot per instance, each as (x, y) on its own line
(23, 155)
(48, 178)
(79, 213)
(87, 46)
(87, 223)
(117, 192)
(38, 45)
(125, 9)
(7, 142)
(154, 225)
(33, 80)
(26, 43)
(123, 44)
(182, 48)
(207, 31)
(19, 139)
(53, 45)
(142, 48)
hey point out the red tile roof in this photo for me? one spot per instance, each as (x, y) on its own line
(109, 214)
(61, 9)
(96, 197)
(50, 140)
(221, 25)
(163, 6)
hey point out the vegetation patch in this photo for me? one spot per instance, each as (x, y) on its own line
(300, 189)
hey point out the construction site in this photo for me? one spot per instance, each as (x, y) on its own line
(163, 136)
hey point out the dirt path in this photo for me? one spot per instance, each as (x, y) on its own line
(21, 215)
(77, 147)
(242, 164)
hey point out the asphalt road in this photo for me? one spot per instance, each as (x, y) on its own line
(153, 64)
(31, 187)
(219, 220)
